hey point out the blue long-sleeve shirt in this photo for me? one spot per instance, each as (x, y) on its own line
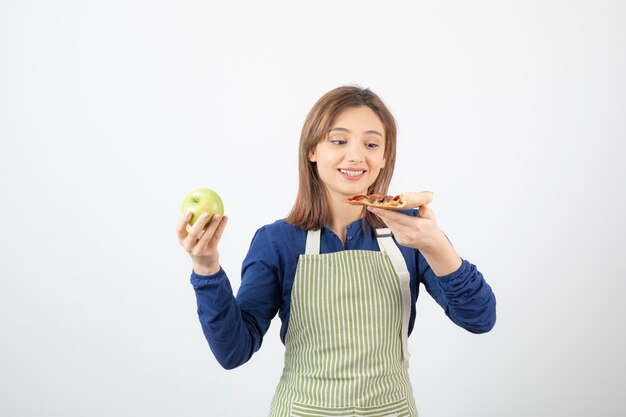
(234, 326)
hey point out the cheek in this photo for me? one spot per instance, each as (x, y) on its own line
(377, 163)
(379, 168)
(328, 161)
(324, 164)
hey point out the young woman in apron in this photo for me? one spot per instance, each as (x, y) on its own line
(343, 280)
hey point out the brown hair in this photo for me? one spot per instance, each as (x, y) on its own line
(311, 209)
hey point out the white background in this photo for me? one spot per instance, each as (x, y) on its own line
(514, 113)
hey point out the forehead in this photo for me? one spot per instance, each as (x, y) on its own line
(358, 119)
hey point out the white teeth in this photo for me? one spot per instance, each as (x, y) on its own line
(351, 173)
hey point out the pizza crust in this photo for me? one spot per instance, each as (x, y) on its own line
(402, 201)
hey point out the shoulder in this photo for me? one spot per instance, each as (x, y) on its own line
(279, 229)
(281, 236)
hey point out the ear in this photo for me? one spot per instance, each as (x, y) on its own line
(312, 156)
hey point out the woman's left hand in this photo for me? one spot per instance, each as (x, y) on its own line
(423, 234)
(420, 233)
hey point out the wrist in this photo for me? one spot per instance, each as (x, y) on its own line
(442, 257)
(206, 269)
(438, 244)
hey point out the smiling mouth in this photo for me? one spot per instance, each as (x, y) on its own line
(351, 173)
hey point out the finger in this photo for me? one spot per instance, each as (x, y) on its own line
(426, 212)
(390, 216)
(220, 229)
(210, 230)
(195, 231)
(378, 211)
(181, 226)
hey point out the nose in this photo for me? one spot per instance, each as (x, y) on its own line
(355, 152)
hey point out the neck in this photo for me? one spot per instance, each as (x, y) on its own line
(341, 215)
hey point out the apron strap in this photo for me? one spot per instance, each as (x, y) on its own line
(312, 242)
(387, 244)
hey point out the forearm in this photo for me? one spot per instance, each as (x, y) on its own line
(231, 335)
(469, 300)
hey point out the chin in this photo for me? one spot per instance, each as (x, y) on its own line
(349, 192)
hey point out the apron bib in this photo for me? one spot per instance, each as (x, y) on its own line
(346, 344)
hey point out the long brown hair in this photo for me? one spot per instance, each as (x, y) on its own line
(311, 209)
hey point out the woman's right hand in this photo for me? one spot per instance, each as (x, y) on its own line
(202, 246)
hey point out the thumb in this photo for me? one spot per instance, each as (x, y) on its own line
(426, 213)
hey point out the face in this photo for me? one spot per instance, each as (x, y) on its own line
(352, 154)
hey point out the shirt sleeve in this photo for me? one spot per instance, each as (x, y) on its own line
(234, 327)
(464, 295)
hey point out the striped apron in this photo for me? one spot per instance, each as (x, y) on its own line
(346, 344)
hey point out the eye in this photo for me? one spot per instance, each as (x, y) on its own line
(372, 145)
(338, 141)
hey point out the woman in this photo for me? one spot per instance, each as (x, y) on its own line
(344, 280)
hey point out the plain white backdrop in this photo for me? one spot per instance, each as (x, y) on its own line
(514, 113)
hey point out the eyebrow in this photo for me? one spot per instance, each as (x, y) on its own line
(343, 129)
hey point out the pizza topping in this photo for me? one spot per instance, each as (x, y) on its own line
(398, 202)
(381, 198)
(377, 199)
(357, 197)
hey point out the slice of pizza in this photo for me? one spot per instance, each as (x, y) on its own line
(399, 202)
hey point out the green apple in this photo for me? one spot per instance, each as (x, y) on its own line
(200, 201)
